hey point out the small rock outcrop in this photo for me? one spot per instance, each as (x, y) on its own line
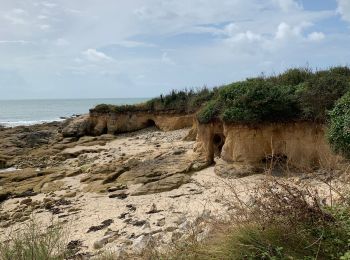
(97, 123)
(77, 127)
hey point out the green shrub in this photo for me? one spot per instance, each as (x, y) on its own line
(179, 101)
(321, 92)
(296, 94)
(291, 77)
(208, 112)
(339, 126)
(252, 101)
(256, 101)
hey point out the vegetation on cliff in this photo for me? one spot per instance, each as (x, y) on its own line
(297, 94)
(339, 129)
(179, 101)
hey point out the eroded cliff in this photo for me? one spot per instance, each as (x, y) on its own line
(113, 123)
(296, 144)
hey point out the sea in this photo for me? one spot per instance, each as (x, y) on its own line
(29, 112)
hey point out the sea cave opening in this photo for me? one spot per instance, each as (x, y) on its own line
(218, 143)
(151, 123)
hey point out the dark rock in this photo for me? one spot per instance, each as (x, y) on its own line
(131, 207)
(178, 152)
(103, 225)
(116, 188)
(123, 215)
(138, 223)
(26, 201)
(119, 195)
(27, 193)
(74, 246)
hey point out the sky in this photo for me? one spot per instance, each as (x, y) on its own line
(141, 48)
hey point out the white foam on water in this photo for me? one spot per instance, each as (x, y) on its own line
(28, 123)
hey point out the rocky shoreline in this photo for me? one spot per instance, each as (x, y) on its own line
(110, 192)
(114, 192)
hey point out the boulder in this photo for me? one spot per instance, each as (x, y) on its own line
(77, 127)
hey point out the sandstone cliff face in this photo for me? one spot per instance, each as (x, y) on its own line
(113, 123)
(300, 144)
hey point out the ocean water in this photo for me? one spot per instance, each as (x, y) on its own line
(28, 112)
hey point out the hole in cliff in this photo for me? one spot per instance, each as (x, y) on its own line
(150, 123)
(104, 130)
(218, 141)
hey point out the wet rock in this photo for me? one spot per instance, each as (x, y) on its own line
(123, 215)
(72, 173)
(118, 187)
(35, 138)
(27, 201)
(118, 194)
(103, 225)
(74, 246)
(4, 195)
(27, 193)
(138, 223)
(178, 152)
(131, 207)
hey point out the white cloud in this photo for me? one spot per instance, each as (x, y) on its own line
(96, 56)
(288, 5)
(44, 27)
(42, 17)
(49, 4)
(286, 31)
(166, 59)
(208, 41)
(18, 11)
(344, 9)
(134, 44)
(316, 36)
(13, 42)
(61, 42)
(231, 29)
(16, 16)
(247, 36)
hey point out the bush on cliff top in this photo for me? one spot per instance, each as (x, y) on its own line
(179, 101)
(297, 94)
(339, 127)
